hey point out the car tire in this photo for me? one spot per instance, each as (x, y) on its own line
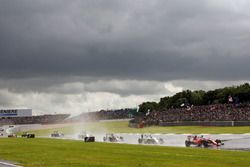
(187, 143)
(139, 141)
(205, 144)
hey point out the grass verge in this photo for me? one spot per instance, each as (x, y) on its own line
(122, 127)
(63, 153)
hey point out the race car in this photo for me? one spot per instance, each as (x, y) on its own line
(28, 135)
(148, 139)
(12, 135)
(86, 137)
(25, 134)
(112, 138)
(56, 134)
(201, 141)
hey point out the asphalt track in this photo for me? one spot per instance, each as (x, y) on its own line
(231, 141)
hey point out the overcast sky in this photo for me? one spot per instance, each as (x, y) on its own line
(60, 56)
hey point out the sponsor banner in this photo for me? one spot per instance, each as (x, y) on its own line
(8, 114)
(4, 112)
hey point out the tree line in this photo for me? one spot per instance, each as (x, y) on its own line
(237, 94)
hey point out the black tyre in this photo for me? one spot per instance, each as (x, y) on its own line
(31, 136)
(218, 141)
(139, 141)
(187, 143)
(205, 143)
(161, 141)
(89, 139)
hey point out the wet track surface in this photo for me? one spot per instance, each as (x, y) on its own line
(231, 141)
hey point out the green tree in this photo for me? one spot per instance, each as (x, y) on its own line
(197, 97)
(148, 106)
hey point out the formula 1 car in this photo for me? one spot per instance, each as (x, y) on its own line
(112, 138)
(86, 137)
(201, 141)
(28, 135)
(12, 135)
(148, 139)
(56, 134)
(25, 134)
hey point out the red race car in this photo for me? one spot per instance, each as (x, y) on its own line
(201, 141)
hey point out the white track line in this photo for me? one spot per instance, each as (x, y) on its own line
(8, 164)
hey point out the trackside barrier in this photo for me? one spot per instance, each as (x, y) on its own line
(198, 123)
(206, 123)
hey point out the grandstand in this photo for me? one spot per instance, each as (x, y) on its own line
(24, 116)
(209, 115)
(15, 113)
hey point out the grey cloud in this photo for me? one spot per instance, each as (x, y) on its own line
(126, 88)
(78, 86)
(6, 99)
(205, 85)
(85, 55)
(126, 40)
(48, 103)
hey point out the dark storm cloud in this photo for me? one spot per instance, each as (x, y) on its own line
(160, 40)
(76, 86)
(60, 55)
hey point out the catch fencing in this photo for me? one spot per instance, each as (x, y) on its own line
(206, 123)
(196, 123)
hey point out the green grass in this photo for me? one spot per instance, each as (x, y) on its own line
(64, 153)
(122, 127)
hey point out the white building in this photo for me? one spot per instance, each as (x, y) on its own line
(15, 112)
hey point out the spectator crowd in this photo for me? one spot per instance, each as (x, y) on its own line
(40, 119)
(215, 112)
